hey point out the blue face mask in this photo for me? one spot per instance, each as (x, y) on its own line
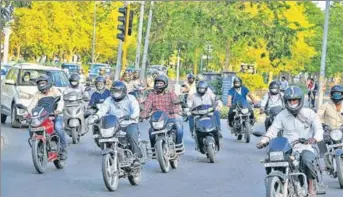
(336, 95)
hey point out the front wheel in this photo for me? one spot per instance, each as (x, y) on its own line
(39, 156)
(211, 152)
(247, 132)
(274, 187)
(75, 134)
(161, 151)
(110, 171)
(339, 164)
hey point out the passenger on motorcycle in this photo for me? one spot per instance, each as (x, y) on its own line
(237, 94)
(298, 122)
(189, 83)
(45, 89)
(100, 93)
(122, 104)
(271, 99)
(162, 99)
(203, 97)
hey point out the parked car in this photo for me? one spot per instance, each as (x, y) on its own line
(4, 70)
(72, 68)
(161, 69)
(94, 70)
(16, 91)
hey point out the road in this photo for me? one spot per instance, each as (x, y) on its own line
(237, 172)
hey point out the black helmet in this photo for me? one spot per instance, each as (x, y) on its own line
(162, 78)
(44, 87)
(294, 93)
(237, 80)
(274, 88)
(74, 80)
(336, 94)
(118, 90)
(202, 87)
(190, 78)
(100, 83)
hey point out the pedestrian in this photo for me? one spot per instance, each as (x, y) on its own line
(312, 88)
(283, 84)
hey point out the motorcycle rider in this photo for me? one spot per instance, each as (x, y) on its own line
(127, 80)
(100, 93)
(74, 81)
(298, 122)
(271, 99)
(189, 83)
(136, 81)
(45, 89)
(122, 104)
(238, 93)
(162, 99)
(203, 97)
(331, 114)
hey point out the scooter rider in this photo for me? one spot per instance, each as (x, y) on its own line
(203, 97)
(162, 99)
(271, 99)
(74, 81)
(45, 89)
(298, 122)
(122, 104)
(101, 92)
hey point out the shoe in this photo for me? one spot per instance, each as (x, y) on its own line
(63, 154)
(136, 163)
(220, 135)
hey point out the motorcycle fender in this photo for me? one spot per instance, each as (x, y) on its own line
(73, 122)
(279, 174)
(107, 151)
(209, 140)
(40, 137)
(339, 152)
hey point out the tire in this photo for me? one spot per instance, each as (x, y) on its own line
(75, 135)
(110, 182)
(247, 132)
(39, 163)
(274, 187)
(339, 164)
(14, 122)
(59, 164)
(135, 180)
(3, 118)
(174, 163)
(164, 162)
(210, 152)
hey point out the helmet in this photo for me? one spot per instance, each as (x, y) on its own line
(336, 94)
(163, 79)
(100, 83)
(202, 87)
(74, 80)
(44, 83)
(136, 74)
(118, 91)
(237, 82)
(294, 93)
(274, 88)
(190, 78)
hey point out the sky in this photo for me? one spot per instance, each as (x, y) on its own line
(320, 4)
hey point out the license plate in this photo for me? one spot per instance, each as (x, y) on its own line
(108, 140)
(276, 164)
(37, 129)
(335, 145)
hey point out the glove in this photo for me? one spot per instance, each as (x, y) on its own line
(93, 118)
(260, 145)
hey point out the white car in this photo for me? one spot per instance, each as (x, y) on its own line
(16, 91)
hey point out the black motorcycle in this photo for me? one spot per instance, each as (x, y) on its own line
(206, 134)
(94, 127)
(271, 114)
(242, 122)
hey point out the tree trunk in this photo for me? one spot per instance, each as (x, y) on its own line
(18, 52)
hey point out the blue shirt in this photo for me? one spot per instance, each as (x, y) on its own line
(97, 96)
(236, 97)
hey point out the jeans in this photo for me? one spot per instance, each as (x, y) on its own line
(232, 115)
(308, 164)
(267, 123)
(60, 131)
(179, 132)
(314, 97)
(192, 124)
(132, 134)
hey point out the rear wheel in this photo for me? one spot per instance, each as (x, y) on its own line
(15, 123)
(75, 134)
(59, 164)
(274, 187)
(339, 164)
(39, 155)
(161, 151)
(110, 171)
(247, 132)
(3, 118)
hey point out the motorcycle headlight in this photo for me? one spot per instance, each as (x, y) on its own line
(336, 135)
(107, 132)
(158, 125)
(276, 156)
(245, 111)
(35, 122)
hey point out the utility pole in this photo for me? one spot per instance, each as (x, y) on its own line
(146, 44)
(139, 41)
(323, 58)
(94, 31)
(178, 66)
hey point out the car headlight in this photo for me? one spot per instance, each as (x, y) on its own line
(276, 156)
(107, 132)
(158, 125)
(336, 135)
(24, 95)
(245, 111)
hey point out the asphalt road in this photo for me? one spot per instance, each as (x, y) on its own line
(236, 173)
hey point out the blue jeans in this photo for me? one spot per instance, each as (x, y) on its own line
(132, 137)
(179, 132)
(191, 121)
(60, 131)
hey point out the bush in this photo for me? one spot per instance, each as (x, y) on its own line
(171, 73)
(217, 85)
(253, 81)
(224, 111)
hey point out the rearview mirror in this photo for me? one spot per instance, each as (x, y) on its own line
(20, 106)
(257, 133)
(10, 82)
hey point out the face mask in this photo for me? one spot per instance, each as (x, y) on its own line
(26, 78)
(74, 83)
(293, 106)
(117, 95)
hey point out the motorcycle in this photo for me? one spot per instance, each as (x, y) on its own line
(334, 156)
(166, 151)
(95, 127)
(206, 135)
(117, 158)
(242, 123)
(44, 141)
(271, 114)
(73, 115)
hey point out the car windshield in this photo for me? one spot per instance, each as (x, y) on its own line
(28, 77)
(96, 70)
(72, 68)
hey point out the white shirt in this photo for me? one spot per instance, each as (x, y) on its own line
(274, 101)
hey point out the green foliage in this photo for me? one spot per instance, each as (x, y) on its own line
(217, 85)
(171, 73)
(253, 81)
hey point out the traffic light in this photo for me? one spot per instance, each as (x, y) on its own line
(122, 27)
(130, 23)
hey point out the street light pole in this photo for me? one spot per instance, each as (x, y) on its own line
(178, 66)
(139, 41)
(94, 31)
(323, 58)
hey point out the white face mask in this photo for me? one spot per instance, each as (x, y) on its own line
(117, 95)
(293, 106)
(74, 83)
(26, 79)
